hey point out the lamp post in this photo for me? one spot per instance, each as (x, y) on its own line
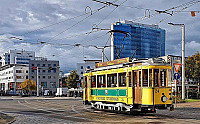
(183, 57)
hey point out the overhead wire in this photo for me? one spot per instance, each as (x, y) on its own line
(177, 12)
(94, 12)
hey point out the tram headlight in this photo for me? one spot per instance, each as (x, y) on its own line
(164, 98)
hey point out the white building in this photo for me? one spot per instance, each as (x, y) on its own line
(17, 57)
(81, 67)
(12, 75)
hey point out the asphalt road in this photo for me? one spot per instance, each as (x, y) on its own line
(68, 110)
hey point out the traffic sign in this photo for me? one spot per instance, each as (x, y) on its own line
(177, 66)
(176, 76)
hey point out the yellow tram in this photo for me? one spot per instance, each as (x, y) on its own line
(129, 85)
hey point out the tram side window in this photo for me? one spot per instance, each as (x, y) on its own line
(150, 78)
(156, 77)
(145, 77)
(101, 81)
(163, 75)
(122, 79)
(129, 82)
(139, 78)
(112, 80)
(135, 78)
(93, 82)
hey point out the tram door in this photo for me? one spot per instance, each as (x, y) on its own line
(138, 91)
(86, 88)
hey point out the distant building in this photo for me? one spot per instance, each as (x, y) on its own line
(48, 73)
(17, 57)
(11, 75)
(88, 64)
(146, 41)
(63, 80)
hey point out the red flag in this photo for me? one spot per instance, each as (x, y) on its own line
(192, 13)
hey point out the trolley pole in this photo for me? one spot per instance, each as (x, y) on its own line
(103, 55)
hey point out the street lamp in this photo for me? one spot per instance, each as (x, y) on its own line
(183, 57)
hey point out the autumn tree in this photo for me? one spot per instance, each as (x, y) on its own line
(28, 85)
(72, 79)
(192, 67)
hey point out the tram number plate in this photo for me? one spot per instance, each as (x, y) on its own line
(156, 90)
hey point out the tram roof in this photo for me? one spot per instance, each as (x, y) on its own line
(132, 63)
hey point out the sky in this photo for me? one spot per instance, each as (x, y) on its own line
(51, 28)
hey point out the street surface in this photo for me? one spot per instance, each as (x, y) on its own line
(33, 110)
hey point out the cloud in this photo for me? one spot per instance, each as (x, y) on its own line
(21, 16)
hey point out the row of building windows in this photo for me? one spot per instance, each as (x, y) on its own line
(52, 84)
(44, 71)
(44, 77)
(43, 65)
(88, 67)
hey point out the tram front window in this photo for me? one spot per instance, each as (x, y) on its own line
(150, 78)
(156, 77)
(112, 80)
(122, 79)
(163, 76)
(145, 78)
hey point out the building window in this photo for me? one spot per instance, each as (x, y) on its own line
(49, 71)
(43, 65)
(44, 84)
(54, 70)
(32, 76)
(32, 64)
(49, 65)
(38, 65)
(54, 77)
(54, 65)
(88, 67)
(81, 72)
(43, 71)
(38, 76)
(52, 84)
(43, 77)
(18, 71)
(81, 67)
(26, 77)
(49, 77)
(32, 70)
(26, 71)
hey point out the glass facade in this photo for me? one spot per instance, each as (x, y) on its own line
(148, 40)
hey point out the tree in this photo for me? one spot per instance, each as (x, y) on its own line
(28, 85)
(192, 65)
(72, 79)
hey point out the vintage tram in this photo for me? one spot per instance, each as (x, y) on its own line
(129, 85)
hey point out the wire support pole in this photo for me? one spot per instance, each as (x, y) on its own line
(183, 61)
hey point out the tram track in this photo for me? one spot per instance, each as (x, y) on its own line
(54, 113)
(82, 110)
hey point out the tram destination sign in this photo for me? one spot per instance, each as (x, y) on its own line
(114, 62)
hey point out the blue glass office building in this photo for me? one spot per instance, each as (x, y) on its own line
(146, 41)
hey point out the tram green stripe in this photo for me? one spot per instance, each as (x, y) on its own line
(110, 92)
